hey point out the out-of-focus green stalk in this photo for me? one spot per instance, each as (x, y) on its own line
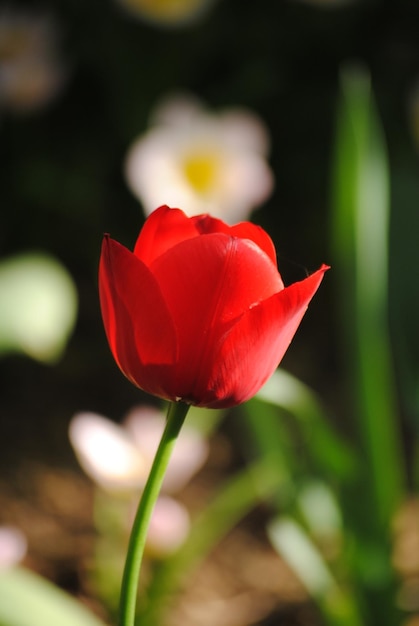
(360, 222)
(328, 452)
(360, 239)
(318, 451)
(337, 604)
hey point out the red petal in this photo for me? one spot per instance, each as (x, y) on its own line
(207, 283)
(255, 345)
(206, 224)
(162, 230)
(137, 322)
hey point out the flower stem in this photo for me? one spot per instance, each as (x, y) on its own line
(175, 417)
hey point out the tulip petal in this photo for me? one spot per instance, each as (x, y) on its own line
(207, 283)
(137, 322)
(255, 345)
(163, 229)
(206, 224)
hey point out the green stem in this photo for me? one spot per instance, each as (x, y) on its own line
(175, 417)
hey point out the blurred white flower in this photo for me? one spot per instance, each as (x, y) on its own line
(119, 458)
(167, 13)
(31, 72)
(145, 427)
(201, 162)
(106, 452)
(13, 546)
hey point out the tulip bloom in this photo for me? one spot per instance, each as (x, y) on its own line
(198, 312)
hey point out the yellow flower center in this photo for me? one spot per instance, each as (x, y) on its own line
(165, 8)
(201, 171)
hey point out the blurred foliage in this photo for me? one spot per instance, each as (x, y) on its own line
(26, 599)
(38, 306)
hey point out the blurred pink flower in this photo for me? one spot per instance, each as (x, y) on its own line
(31, 73)
(145, 427)
(106, 453)
(200, 161)
(12, 546)
(119, 458)
(169, 527)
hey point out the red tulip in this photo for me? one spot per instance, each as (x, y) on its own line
(198, 312)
